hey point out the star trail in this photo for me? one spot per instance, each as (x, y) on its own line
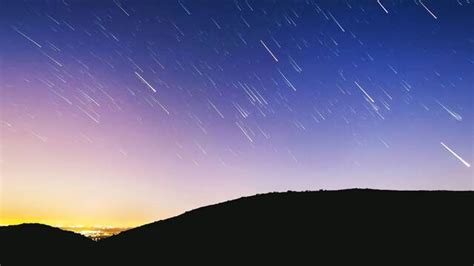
(109, 108)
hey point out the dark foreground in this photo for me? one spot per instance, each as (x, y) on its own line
(347, 225)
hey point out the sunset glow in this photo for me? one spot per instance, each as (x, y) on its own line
(119, 113)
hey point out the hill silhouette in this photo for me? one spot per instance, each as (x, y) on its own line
(39, 243)
(308, 226)
(276, 227)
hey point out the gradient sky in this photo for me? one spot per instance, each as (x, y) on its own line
(124, 112)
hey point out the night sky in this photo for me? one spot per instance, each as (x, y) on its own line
(124, 112)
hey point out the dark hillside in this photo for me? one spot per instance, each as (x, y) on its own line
(308, 225)
(38, 243)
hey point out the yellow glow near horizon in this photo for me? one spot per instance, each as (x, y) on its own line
(66, 180)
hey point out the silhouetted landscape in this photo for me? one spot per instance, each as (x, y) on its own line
(121, 120)
(39, 243)
(305, 226)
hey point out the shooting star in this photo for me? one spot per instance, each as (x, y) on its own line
(269, 51)
(429, 11)
(381, 5)
(27, 37)
(146, 82)
(337, 22)
(365, 93)
(455, 155)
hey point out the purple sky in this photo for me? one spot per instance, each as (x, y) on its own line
(125, 112)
